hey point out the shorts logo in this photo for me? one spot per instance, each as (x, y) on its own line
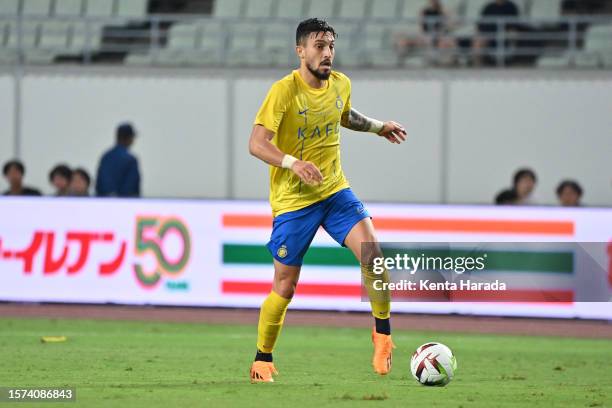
(282, 251)
(360, 209)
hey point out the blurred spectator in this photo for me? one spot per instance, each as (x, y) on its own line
(569, 193)
(14, 171)
(435, 25)
(79, 185)
(60, 176)
(524, 183)
(506, 197)
(118, 173)
(485, 41)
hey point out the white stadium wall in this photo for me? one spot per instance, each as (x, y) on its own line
(410, 172)
(563, 129)
(182, 142)
(466, 134)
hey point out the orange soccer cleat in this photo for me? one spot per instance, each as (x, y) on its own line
(262, 371)
(383, 347)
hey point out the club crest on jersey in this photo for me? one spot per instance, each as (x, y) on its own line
(339, 103)
(282, 251)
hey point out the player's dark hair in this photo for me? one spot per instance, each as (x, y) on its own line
(13, 163)
(506, 197)
(83, 173)
(60, 170)
(522, 173)
(571, 184)
(312, 25)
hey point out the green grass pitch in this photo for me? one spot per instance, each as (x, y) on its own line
(143, 364)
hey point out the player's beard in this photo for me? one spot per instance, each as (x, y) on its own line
(318, 74)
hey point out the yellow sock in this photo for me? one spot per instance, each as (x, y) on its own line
(271, 318)
(380, 300)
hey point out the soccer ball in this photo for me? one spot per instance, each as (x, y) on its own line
(433, 364)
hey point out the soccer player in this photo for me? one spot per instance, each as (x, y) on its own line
(297, 132)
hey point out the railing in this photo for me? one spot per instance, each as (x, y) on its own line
(222, 42)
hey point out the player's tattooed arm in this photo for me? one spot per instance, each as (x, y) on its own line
(359, 122)
(392, 131)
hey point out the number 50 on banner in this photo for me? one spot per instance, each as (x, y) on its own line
(150, 234)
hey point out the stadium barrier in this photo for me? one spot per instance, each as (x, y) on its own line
(212, 253)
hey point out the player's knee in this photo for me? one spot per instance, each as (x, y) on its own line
(285, 287)
(370, 252)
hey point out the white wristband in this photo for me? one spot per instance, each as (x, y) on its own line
(376, 126)
(288, 161)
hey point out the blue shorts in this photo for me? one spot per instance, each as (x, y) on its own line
(292, 232)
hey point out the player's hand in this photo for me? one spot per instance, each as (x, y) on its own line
(393, 132)
(307, 172)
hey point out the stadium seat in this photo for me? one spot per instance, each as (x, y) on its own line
(182, 41)
(243, 46)
(53, 41)
(228, 8)
(133, 9)
(597, 47)
(137, 58)
(277, 44)
(9, 7)
(383, 59)
(352, 9)
(345, 29)
(85, 37)
(376, 36)
(68, 8)
(348, 54)
(36, 7)
(378, 46)
(411, 9)
(7, 55)
(183, 37)
(290, 9)
(546, 10)
(555, 61)
(259, 8)
(209, 44)
(99, 8)
(597, 51)
(384, 8)
(413, 61)
(322, 9)
(29, 34)
(454, 7)
(3, 31)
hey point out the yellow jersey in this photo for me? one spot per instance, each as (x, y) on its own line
(306, 124)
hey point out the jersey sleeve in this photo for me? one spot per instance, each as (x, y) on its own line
(273, 108)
